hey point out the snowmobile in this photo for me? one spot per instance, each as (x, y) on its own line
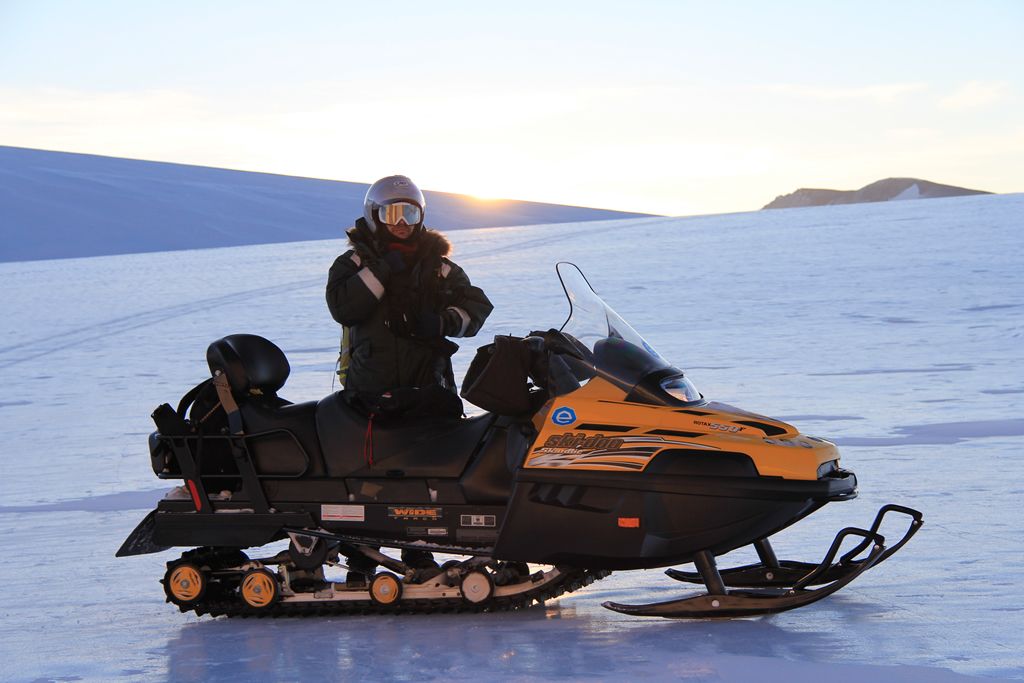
(595, 454)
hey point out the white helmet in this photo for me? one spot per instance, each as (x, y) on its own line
(391, 200)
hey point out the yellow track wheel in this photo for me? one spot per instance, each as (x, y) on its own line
(385, 589)
(259, 588)
(184, 584)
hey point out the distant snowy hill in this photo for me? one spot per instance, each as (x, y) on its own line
(880, 191)
(61, 205)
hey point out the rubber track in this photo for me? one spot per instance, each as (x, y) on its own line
(233, 606)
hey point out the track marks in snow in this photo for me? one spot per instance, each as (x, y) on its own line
(944, 433)
(992, 307)
(113, 502)
(942, 367)
(44, 346)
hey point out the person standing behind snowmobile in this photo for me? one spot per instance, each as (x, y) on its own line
(398, 296)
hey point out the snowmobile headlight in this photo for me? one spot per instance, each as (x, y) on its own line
(680, 388)
(827, 468)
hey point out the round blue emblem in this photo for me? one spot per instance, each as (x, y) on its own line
(563, 416)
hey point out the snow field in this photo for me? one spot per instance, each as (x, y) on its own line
(894, 330)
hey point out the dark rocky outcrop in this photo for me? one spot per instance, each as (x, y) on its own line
(880, 191)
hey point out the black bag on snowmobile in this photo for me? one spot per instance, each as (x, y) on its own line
(498, 377)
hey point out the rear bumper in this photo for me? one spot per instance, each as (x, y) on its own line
(238, 529)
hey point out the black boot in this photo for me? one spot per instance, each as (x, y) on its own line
(511, 572)
(423, 564)
(419, 559)
(360, 571)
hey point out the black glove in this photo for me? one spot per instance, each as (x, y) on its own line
(427, 325)
(395, 261)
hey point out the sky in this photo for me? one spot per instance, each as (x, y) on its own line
(662, 107)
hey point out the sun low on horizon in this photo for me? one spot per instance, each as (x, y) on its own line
(662, 108)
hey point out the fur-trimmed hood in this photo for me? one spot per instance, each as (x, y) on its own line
(430, 241)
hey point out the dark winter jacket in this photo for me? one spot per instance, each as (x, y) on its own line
(381, 308)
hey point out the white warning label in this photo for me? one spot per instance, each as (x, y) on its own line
(343, 513)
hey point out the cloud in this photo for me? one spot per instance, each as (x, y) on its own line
(118, 122)
(976, 95)
(883, 92)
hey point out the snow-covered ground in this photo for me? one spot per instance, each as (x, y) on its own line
(894, 329)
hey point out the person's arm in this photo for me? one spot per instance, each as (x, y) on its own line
(467, 306)
(354, 288)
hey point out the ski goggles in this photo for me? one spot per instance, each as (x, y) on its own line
(393, 214)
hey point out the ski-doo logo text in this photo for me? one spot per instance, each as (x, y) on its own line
(581, 442)
(427, 513)
(563, 416)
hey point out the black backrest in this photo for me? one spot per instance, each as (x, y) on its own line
(250, 362)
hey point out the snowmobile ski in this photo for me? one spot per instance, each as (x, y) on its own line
(771, 572)
(776, 586)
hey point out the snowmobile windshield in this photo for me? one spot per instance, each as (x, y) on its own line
(610, 348)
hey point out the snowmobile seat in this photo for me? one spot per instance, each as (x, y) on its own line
(414, 447)
(282, 438)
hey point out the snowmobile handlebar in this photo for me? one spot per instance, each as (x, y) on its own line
(555, 341)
